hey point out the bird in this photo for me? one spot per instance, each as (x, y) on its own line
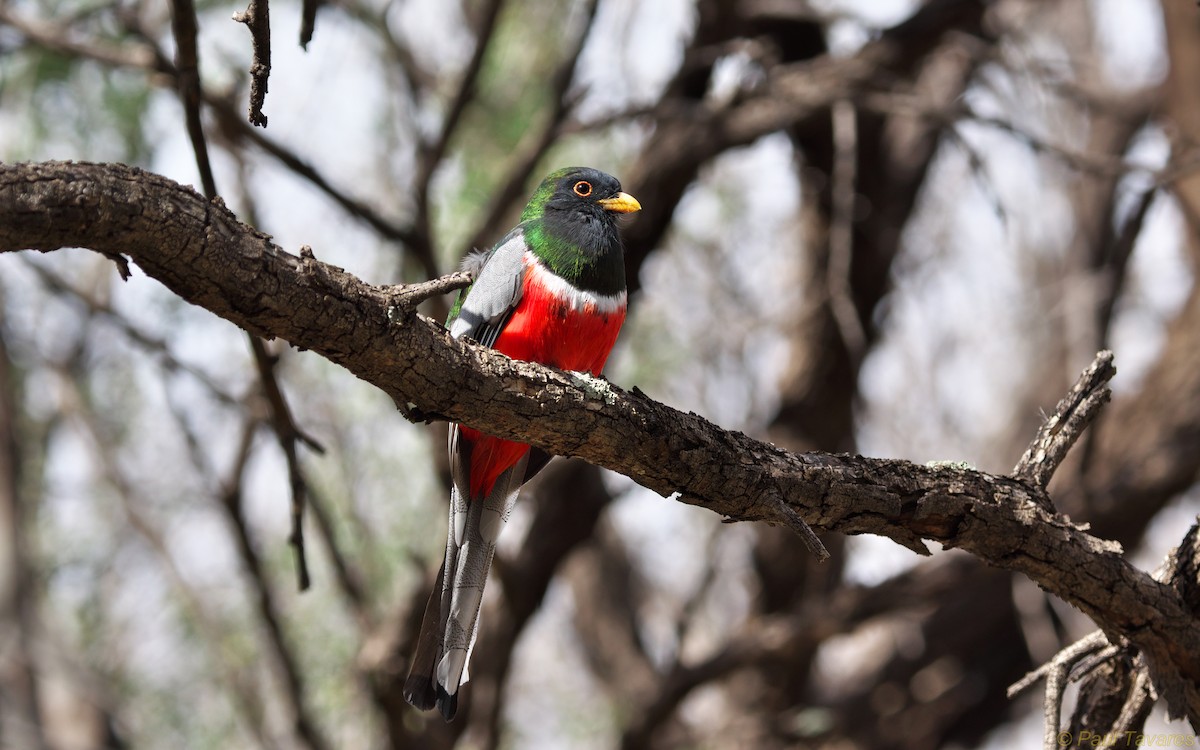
(551, 291)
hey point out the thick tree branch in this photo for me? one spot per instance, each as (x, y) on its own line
(201, 252)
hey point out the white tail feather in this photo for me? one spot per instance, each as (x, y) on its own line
(474, 528)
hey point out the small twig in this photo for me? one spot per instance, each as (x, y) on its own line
(191, 93)
(1117, 260)
(1180, 571)
(1071, 417)
(258, 19)
(1137, 703)
(758, 642)
(688, 612)
(1082, 161)
(1056, 672)
(841, 229)
(1069, 656)
(122, 265)
(155, 346)
(405, 298)
(789, 516)
(187, 81)
(408, 296)
(433, 151)
(243, 697)
(308, 20)
(600, 122)
(58, 37)
(1091, 662)
(1084, 656)
(288, 435)
(151, 58)
(345, 576)
(293, 688)
(279, 403)
(979, 170)
(412, 74)
(237, 129)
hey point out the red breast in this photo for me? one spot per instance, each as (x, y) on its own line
(569, 331)
(564, 330)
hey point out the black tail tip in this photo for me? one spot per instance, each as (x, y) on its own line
(447, 704)
(423, 694)
(420, 693)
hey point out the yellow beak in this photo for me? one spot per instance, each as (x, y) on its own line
(621, 203)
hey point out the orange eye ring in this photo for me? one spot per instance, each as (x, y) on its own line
(583, 188)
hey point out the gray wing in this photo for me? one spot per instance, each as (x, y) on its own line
(495, 292)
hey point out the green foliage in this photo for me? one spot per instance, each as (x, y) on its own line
(513, 98)
(67, 107)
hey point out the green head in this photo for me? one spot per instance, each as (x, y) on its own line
(570, 223)
(580, 189)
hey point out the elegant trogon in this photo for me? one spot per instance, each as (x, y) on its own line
(552, 291)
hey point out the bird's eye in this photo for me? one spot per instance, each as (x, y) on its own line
(583, 188)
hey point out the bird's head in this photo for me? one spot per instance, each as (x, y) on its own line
(580, 190)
